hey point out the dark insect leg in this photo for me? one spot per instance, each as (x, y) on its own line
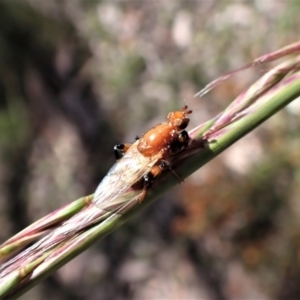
(165, 165)
(147, 182)
(180, 143)
(183, 137)
(120, 150)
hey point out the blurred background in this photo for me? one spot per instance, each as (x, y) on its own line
(77, 77)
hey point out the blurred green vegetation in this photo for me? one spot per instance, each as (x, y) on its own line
(76, 77)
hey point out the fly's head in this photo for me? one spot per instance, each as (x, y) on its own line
(178, 120)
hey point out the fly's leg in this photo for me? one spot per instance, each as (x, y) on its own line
(147, 180)
(181, 143)
(120, 150)
(184, 138)
(165, 165)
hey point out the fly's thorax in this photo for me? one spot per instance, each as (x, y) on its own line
(156, 139)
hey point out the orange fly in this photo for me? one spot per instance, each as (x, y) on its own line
(139, 163)
(136, 167)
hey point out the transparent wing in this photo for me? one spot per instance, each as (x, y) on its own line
(123, 174)
(127, 171)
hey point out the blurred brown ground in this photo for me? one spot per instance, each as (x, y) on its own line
(77, 77)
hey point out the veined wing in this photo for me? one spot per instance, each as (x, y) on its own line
(123, 174)
(127, 171)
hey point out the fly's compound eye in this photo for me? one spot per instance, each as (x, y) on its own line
(177, 122)
(183, 123)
